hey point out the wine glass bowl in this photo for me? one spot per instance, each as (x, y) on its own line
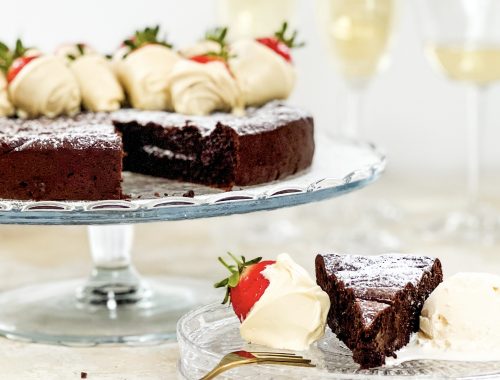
(358, 32)
(254, 18)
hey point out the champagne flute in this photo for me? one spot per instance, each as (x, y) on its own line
(462, 40)
(254, 18)
(358, 34)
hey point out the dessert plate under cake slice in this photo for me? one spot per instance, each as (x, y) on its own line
(206, 334)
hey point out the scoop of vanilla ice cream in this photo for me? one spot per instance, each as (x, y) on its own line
(291, 314)
(462, 314)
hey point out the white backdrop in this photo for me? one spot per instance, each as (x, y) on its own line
(410, 110)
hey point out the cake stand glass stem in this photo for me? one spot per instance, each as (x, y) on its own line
(113, 280)
(475, 114)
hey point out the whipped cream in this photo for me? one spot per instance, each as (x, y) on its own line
(6, 107)
(144, 74)
(291, 314)
(262, 74)
(45, 86)
(199, 48)
(99, 86)
(201, 88)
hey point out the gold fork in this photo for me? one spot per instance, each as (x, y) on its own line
(239, 358)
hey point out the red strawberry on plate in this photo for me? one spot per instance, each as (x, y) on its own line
(245, 285)
(280, 43)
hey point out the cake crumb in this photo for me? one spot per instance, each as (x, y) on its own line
(83, 375)
(188, 194)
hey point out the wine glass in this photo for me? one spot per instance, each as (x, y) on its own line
(358, 34)
(254, 18)
(462, 40)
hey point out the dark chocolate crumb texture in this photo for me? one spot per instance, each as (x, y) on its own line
(376, 300)
(80, 158)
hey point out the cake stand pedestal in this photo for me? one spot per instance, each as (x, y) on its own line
(115, 305)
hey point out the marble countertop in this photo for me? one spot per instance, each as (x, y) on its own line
(32, 254)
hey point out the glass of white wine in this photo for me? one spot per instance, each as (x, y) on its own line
(358, 33)
(462, 40)
(254, 18)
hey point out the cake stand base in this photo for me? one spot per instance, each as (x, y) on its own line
(50, 313)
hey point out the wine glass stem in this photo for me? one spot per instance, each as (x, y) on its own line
(475, 113)
(353, 124)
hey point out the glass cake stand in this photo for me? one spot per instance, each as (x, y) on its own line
(115, 305)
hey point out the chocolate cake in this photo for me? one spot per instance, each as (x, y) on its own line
(376, 300)
(63, 159)
(220, 150)
(80, 158)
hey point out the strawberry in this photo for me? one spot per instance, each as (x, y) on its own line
(81, 50)
(12, 62)
(217, 35)
(280, 43)
(245, 285)
(145, 37)
(18, 65)
(206, 58)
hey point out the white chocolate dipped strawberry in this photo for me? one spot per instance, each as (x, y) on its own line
(99, 86)
(41, 85)
(143, 66)
(203, 83)
(277, 302)
(263, 67)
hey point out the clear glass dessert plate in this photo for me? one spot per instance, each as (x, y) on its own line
(339, 167)
(206, 334)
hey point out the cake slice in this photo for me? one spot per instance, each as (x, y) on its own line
(68, 158)
(376, 300)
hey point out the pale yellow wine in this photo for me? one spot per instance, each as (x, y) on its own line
(359, 32)
(480, 65)
(254, 18)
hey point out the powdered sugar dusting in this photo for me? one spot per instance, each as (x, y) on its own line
(382, 271)
(370, 310)
(268, 117)
(84, 131)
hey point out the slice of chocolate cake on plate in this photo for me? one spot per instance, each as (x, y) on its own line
(376, 300)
